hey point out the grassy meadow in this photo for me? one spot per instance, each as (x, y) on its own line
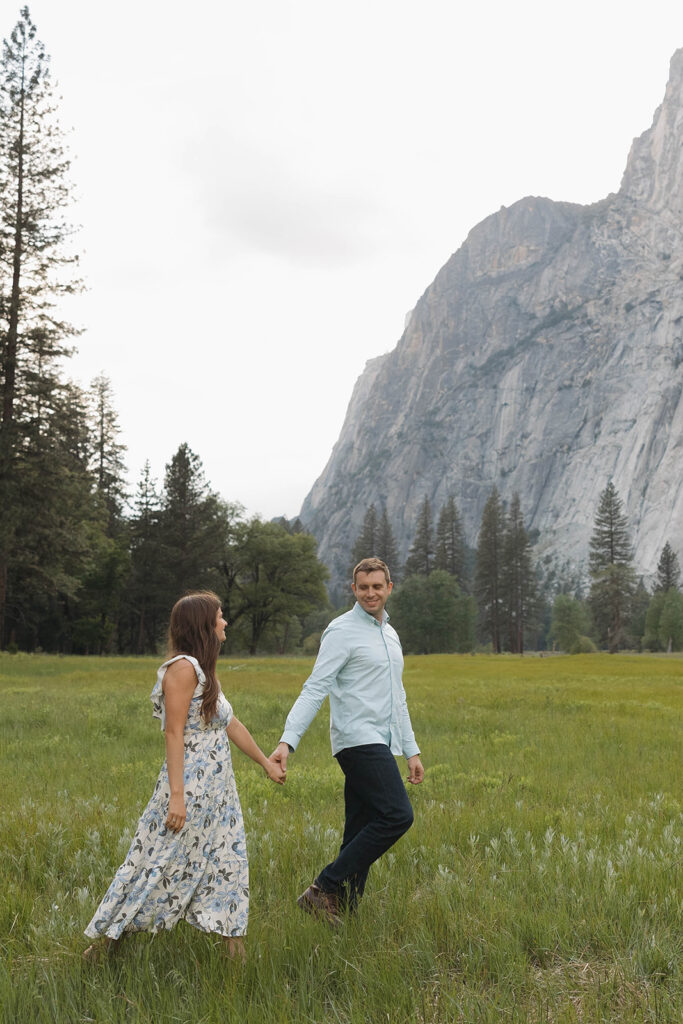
(540, 882)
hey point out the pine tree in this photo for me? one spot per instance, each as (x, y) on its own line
(610, 567)
(386, 546)
(450, 546)
(56, 537)
(668, 570)
(33, 276)
(148, 586)
(99, 624)
(610, 543)
(193, 527)
(488, 572)
(366, 542)
(420, 561)
(518, 579)
(107, 452)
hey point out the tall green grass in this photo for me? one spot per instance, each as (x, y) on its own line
(539, 883)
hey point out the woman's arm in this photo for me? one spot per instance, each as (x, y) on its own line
(179, 684)
(242, 738)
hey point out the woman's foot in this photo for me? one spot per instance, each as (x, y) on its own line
(100, 948)
(235, 949)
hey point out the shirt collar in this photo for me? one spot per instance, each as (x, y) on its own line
(371, 620)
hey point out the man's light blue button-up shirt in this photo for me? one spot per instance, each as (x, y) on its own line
(360, 666)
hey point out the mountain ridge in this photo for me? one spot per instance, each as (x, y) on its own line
(546, 357)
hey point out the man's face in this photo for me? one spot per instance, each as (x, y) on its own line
(372, 590)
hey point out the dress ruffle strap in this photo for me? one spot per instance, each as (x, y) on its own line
(157, 694)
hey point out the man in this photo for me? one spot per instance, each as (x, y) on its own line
(360, 666)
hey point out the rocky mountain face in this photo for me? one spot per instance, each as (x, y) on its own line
(545, 358)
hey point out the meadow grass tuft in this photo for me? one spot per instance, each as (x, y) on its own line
(540, 882)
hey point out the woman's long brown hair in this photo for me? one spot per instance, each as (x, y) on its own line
(192, 630)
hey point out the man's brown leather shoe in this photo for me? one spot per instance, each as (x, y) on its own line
(321, 904)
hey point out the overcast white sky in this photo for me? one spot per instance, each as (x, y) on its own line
(265, 189)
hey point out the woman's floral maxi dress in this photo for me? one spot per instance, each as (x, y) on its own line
(200, 873)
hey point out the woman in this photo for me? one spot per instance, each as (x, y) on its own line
(188, 856)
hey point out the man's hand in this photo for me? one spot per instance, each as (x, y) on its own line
(280, 754)
(416, 772)
(275, 771)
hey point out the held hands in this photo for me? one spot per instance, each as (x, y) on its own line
(275, 771)
(280, 754)
(416, 772)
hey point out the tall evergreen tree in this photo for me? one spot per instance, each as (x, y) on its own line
(488, 572)
(33, 276)
(193, 527)
(518, 578)
(386, 546)
(365, 545)
(56, 537)
(610, 566)
(146, 594)
(420, 561)
(450, 546)
(107, 451)
(668, 570)
(98, 625)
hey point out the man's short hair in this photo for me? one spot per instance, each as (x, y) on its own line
(372, 565)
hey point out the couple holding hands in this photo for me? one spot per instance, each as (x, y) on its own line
(188, 857)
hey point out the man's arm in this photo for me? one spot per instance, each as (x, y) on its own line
(331, 658)
(411, 751)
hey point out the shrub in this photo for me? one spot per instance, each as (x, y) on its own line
(583, 645)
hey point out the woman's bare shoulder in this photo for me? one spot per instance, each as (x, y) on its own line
(181, 674)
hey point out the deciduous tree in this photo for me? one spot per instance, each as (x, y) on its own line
(570, 621)
(671, 621)
(279, 577)
(432, 615)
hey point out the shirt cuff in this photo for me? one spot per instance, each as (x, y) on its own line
(411, 750)
(290, 738)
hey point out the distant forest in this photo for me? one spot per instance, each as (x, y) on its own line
(87, 567)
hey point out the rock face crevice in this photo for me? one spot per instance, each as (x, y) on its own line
(545, 358)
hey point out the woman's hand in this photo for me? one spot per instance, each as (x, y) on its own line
(242, 738)
(175, 819)
(275, 771)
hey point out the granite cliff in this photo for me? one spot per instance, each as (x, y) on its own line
(546, 358)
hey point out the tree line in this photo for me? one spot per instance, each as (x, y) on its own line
(450, 597)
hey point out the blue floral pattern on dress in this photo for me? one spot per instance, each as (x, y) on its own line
(199, 874)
